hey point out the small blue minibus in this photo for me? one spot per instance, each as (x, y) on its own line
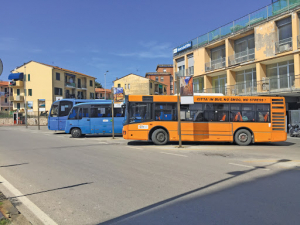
(94, 118)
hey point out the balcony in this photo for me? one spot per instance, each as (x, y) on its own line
(219, 89)
(82, 86)
(190, 71)
(6, 104)
(243, 88)
(17, 83)
(70, 85)
(215, 64)
(283, 45)
(241, 57)
(17, 98)
(180, 73)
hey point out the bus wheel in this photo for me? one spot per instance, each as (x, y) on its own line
(76, 133)
(243, 137)
(160, 137)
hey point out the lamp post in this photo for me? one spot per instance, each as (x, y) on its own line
(105, 82)
(25, 92)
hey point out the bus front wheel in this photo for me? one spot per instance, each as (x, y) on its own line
(160, 137)
(243, 137)
(76, 133)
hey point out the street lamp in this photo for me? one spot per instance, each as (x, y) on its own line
(105, 82)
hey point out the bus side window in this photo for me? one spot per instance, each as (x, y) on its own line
(85, 112)
(54, 110)
(263, 112)
(79, 114)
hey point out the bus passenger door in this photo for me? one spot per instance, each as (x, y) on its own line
(53, 117)
(84, 121)
(64, 109)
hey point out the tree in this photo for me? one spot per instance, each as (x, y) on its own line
(98, 85)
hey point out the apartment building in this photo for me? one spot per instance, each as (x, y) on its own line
(258, 54)
(100, 93)
(137, 85)
(5, 92)
(163, 74)
(43, 81)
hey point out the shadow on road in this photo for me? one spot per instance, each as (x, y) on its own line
(14, 165)
(273, 199)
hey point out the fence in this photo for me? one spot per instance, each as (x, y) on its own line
(244, 22)
(7, 118)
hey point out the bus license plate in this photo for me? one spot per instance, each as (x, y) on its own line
(143, 126)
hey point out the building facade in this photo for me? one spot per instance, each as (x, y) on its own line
(163, 74)
(5, 92)
(42, 81)
(137, 85)
(100, 93)
(254, 55)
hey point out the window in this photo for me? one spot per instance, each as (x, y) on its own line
(18, 105)
(156, 78)
(5, 100)
(140, 112)
(242, 113)
(58, 91)
(165, 70)
(18, 92)
(125, 86)
(74, 114)
(119, 85)
(263, 113)
(100, 111)
(5, 90)
(57, 76)
(28, 77)
(29, 92)
(54, 110)
(165, 90)
(171, 87)
(165, 111)
(118, 112)
(128, 86)
(161, 78)
(150, 85)
(79, 83)
(65, 107)
(92, 95)
(284, 29)
(91, 83)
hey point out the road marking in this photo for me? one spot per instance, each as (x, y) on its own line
(173, 154)
(29, 204)
(103, 143)
(134, 147)
(247, 166)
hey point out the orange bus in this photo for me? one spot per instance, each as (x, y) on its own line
(239, 119)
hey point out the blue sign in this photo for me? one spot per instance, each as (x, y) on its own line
(182, 47)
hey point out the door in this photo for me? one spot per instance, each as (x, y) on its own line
(53, 117)
(222, 83)
(84, 121)
(64, 109)
(101, 119)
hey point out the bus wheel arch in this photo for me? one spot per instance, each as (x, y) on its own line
(245, 135)
(76, 132)
(158, 130)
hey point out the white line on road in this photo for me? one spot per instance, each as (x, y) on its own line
(29, 204)
(246, 166)
(103, 143)
(173, 154)
(134, 147)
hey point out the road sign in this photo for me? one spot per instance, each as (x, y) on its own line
(1, 67)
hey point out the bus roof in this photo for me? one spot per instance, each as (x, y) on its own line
(81, 100)
(106, 102)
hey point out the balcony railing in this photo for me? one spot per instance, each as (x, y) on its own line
(17, 98)
(5, 104)
(240, 57)
(180, 73)
(243, 88)
(190, 71)
(284, 45)
(260, 15)
(215, 64)
(71, 85)
(219, 89)
(17, 83)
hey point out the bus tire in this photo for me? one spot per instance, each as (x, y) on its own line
(243, 137)
(160, 137)
(76, 133)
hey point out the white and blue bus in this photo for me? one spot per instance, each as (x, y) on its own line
(94, 118)
(60, 110)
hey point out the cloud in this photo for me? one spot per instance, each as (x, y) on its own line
(150, 50)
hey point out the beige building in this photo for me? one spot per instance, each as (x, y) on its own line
(5, 92)
(257, 54)
(137, 85)
(42, 81)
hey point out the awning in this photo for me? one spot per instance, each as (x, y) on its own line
(16, 76)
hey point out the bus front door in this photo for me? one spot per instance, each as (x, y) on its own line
(84, 122)
(53, 117)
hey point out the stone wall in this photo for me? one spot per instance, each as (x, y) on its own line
(6, 121)
(31, 121)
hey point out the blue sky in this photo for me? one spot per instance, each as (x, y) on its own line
(93, 36)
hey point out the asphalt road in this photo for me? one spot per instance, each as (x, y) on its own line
(97, 180)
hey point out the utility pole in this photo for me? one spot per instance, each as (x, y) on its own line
(105, 82)
(25, 92)
(38, 114)
(178, 110)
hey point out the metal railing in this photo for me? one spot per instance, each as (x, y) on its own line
(190, 71)
(243, 88)
(180, 73)
(284, 45)
(72, 85)
(219, 89)
(240, 57)
(215, 64)
(199, 90)
(260, 15)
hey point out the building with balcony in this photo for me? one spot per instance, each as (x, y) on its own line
(163, 74)
(100, 93)
(258, 54)
(43, 81)
(5, 93)
(137, 85)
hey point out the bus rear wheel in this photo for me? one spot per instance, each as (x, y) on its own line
(243, 137)
(76, 133)
(160, 137)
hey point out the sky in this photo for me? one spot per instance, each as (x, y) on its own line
(119, 36)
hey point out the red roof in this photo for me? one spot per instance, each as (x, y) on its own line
(4, 83)
(102, 90)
